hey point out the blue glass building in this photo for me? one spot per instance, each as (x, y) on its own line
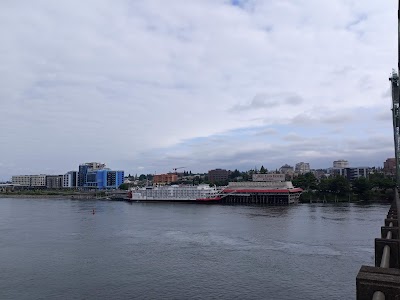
(107, 179)
(104, 179)
(95, 175)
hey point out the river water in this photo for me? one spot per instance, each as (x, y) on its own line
(58, 249)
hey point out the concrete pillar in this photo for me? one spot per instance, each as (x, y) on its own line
(394, 252)
(393, 230)
(372, 279)
(395, 222)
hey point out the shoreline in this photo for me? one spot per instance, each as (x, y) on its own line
(93, 197)
(48, 196)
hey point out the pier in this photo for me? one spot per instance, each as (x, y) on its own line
(270, 193)
(279, 198)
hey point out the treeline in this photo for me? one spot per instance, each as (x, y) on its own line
(377, 187)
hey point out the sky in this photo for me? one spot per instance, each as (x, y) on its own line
(149, 86)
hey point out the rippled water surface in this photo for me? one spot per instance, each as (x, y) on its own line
(57, 249)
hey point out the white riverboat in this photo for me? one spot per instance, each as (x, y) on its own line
(184, 193)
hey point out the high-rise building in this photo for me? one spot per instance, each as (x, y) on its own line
(22, 180)
(54, 181)
(108, 179)
(70, 179)
(104, 179)
(85, 168)
(218, 175)
(96, 175)
(340, 164)
(286, 169)
(38, 181)
(302, 168)
(352, 173)
(389, 166)
(91, 179)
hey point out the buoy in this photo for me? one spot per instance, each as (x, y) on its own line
(93, 211)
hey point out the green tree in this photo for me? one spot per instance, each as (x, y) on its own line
(305, 181)
(142, 177)
(263, 170)
(250, 174)
(323, 186)
(362, 187)
(339, 186)
(245, 176)
(235, 174)
(124, 186)
(381, 182)
(221, 183)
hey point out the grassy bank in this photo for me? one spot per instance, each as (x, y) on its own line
(371, 196)
(52, 193)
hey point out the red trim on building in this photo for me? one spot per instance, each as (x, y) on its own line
(295, 190)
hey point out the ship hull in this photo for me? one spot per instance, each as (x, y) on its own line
(180, 200)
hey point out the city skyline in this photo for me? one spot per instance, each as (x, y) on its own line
(336, 164)
(148, 87)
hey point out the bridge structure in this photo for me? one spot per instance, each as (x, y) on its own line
(382, 281)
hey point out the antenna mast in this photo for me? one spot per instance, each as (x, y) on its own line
(395, 103)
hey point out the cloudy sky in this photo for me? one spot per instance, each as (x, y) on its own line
(148, 86)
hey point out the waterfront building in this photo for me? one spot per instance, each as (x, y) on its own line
(338, 164)
(108, 179)
(38, 180)
(264, 189)
(85, 168)
(389, 166)
(29, 180)
(91, 179)
(54, 181)
(302, 168)
(272, 192)
(70, 179)
(104, 179)
(21, 180)
(161, 179)
(218, 175)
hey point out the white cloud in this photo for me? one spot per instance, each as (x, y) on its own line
(114, 80)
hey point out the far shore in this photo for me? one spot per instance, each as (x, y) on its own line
(47, 196)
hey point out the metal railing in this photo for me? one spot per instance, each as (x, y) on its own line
(385, 263)
(385, 258)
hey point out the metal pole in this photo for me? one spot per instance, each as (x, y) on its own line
(398, 33)
(397, 200)
(385, 261)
